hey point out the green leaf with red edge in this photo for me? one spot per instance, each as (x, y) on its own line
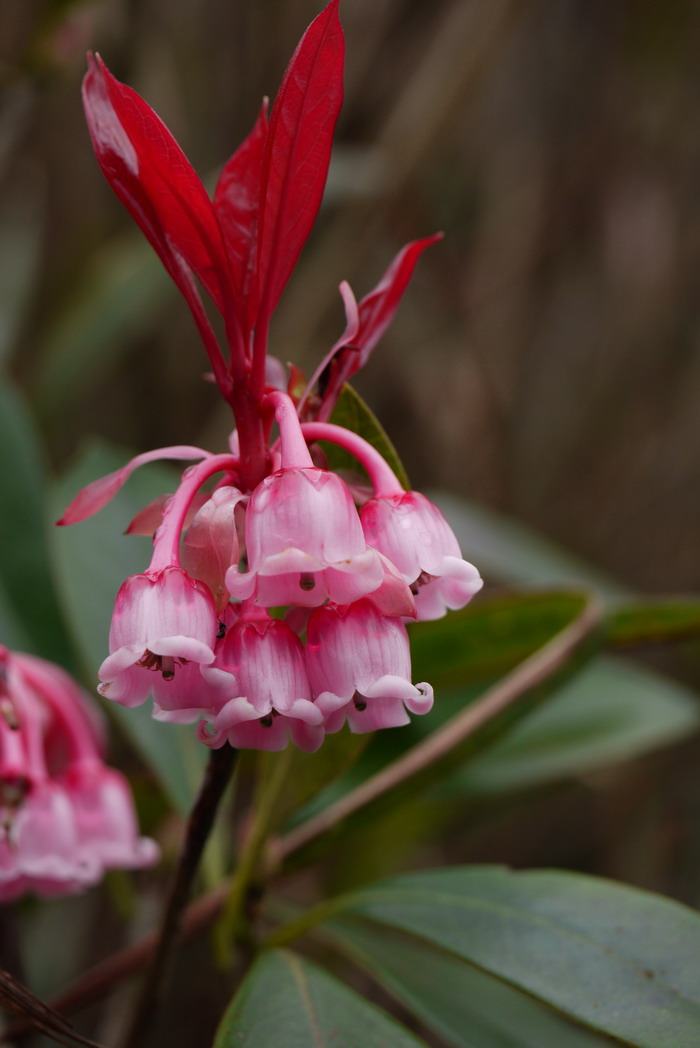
(286, 1001)
(297, 152)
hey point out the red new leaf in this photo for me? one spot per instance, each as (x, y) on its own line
(297, 153)
(153, 179)
(236, 202)
(367, 322)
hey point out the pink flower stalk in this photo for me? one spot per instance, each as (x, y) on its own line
(64, 816)
(359, 667)
(264, 690)
(304, 540)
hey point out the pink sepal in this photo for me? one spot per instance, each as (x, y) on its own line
(101, 491)
(210, 546)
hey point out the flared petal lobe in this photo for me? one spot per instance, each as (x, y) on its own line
(412, 532)
(162, 620)
(304, 543)
(264, 690)
(359, 668)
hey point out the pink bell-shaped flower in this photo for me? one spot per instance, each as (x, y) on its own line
(412, 532)
(105, 820)
(304, 543)
(162, 620)
(263, 687)
(359, 667)
(64, 816)
(40, 848)
(304, 540)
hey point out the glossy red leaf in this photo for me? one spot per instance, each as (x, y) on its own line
(366, 323)
(154, 180)
(236, 202)
(297, 152)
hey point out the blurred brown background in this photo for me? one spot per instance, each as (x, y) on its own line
(545, 360)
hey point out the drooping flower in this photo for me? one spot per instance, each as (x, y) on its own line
(162, 621)
(359, 668)
(263, 688)
(412, 532)
(64, 816)
(303, 536)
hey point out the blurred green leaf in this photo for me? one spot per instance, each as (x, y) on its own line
(654, 622)
(489, 636)
(616, 959)
(610, 712)
(29, 597)
(21, 217)
(92, 560)
(288, 1002)
(464, 1006)
(122, 291)
(352, 413)
(505, 551)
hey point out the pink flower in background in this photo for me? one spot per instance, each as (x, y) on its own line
(359, 667)
(412, 532)
(64, 816)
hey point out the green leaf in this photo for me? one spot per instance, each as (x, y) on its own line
(654, 622)
(92, 560)
(610, 712)
(287, 1002)
(29, 597)
(352, 413)
(464, 1006)
(489, 636)
(622, 961)
(122, 291)
(506, 551)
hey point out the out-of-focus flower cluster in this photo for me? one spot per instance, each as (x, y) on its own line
(65, 817)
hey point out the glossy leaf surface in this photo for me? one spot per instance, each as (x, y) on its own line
(152, 177)
(619, 960)
(464, 1006)
(236, 202)
(288, 1002)
(297, 152)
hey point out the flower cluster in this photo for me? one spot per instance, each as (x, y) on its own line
(275, 602)
(65, 817)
